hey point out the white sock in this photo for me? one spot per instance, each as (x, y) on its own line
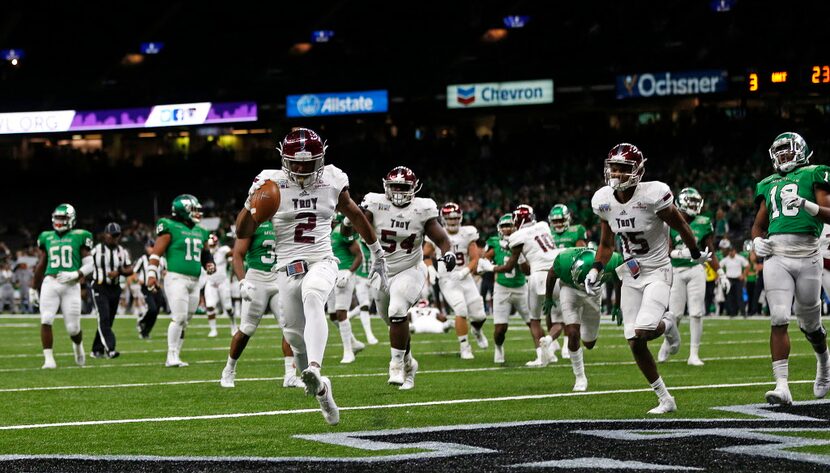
(823, 358)
(565, 341)
(233, 322)
(78, 348)
(462, 339)
(212, 324)
(398, 355)
(174, 334)
(48, 355)
(695, 330)
(346, 334)
(781, 371)
(231, 363)
(316, 329)
(366, 321)
(576, 362)
(538, 353)
(660, 389)
(289, 365)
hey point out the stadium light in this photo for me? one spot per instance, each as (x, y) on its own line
(321, 36)
(515, 21)
(300, 48)
(494, 35)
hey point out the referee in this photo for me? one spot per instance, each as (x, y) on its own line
(154, 299)
(111, 262)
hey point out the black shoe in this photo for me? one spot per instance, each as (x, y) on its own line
(113, 354)
(98, 354)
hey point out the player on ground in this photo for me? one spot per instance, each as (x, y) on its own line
(580, 310)
(426, 319)
(260, 292)
(510, 290)
(347, 250)
(689, 278)
(181, 240)
(402, 220)
(65, 257)
(459, 288)
(218, 286)
(533, 241)
(641, 214)
(310, 194)
(792, 206)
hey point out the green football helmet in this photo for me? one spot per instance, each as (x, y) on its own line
(63, 218)
(789, 151)
(188, 208)
(582, 265)
(506, 220)
(690, 201)
(559, 218)
(748, 245)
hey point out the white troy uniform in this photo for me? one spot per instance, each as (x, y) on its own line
(645, 238)
(824, 247)
(539, 251)
(217, 286)
(461, 293)
(302, 225)
(425, 320)
(401, 234)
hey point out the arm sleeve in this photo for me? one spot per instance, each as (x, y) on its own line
(162, 228)
(580, 234)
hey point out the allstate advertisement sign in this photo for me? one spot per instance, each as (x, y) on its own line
(664, 84)
(337, 103)
(500, 94)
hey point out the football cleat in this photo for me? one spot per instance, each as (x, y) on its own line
(358, 346)
(780, 395)
(549, 348)
(409, 370)
(292, 381)
(49, 364)
(213, 333)
(348, 357)
(228, 377)
(672, 335)
(331, 413)
(173, 361)
(822, 385)
(537, 363)
(371, 340)
(498, 354)
(481, 339)
(80, 356)
(663, 355)
(396, 374)
(581, 384)
(467, 352)
(694, 361)
(666, 405)
(313, 381)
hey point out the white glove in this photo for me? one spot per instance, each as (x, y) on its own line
(485, 266)
(762, 246)
(704, 256)
(379, 265)
(680, 253)
(343, 278)
(592, 284)
(246, 290)
(34, 296)
(795, 201)
(723, 281)
(460, 274)
(504, 244)
(67, 277)
(432, 275)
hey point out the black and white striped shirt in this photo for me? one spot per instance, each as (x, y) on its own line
(140, 268)
(109, 259)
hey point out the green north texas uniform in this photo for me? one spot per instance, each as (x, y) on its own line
(340, 247)
(793, 220)
(565, 259)
(515, 278)
(569, 237)
(184, 254)
(363, 269)
(701, 228)
(63, 251)
(261, 255)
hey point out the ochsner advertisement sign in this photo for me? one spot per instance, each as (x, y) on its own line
(499, 94)
(663, 84)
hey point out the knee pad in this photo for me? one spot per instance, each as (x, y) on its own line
(248, 328)
(808, 312)
(73, 325)
(295, 339)
(397, 320)
(47, 319)
(779, 314)
(814, 335)
(179, 319)
(477, 317)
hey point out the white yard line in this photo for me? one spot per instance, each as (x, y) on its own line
(378, 406)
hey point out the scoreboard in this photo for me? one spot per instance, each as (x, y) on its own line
(811, 78)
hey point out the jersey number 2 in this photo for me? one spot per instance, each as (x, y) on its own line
(307, 226)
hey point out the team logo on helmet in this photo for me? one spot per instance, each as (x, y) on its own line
(624, 166)
(451, 213)
(559, 218)
(789, 151)
(188, 208)
(505, 224)
(401, 185)
(690, 201)
(63, 217)
(523, 215)
(303, 156)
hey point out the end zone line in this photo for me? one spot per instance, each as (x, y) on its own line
(380, 406)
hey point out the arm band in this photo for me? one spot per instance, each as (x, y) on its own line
(87, 265)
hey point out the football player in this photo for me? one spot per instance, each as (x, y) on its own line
(260, 292)
(824, 246)
(218, 286)
(426, 319)
(532, 240)
(689, 278)
(181, 240)
(792, 206)
(510, 290)
(580, 310)
(65, 257)
(563, 233)
(403, 221)
(641, 214)
(310, 194)
(347, 251)
(459, 288)
(364, 294)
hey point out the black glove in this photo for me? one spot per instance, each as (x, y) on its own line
(449, 260)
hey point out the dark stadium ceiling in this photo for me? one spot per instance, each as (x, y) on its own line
(240, 50)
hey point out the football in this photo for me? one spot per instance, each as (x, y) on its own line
(265, 201)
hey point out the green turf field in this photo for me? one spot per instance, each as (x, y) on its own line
(167, 411)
